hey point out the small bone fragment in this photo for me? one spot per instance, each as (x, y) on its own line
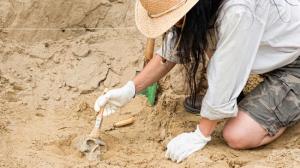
(124, 122)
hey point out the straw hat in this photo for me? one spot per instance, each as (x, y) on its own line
(155, 17)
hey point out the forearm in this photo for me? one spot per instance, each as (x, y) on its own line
(207, 126)
(152, 72)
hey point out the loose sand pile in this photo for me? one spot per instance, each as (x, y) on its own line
(49, 81)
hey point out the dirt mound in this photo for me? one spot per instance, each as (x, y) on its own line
(50, 79)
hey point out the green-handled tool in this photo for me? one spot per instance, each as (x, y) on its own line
(150, 91)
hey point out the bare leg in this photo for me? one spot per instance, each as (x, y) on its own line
(243, 132)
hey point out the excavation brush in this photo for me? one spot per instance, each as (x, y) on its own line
(91, 145)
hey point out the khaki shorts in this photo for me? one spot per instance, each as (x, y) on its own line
(275, 103)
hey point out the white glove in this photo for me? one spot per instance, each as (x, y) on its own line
(185, 144)
(116, 98)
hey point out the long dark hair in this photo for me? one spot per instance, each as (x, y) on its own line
(195, 34)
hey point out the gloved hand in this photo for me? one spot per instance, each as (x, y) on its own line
(185, 144)
(116, 98)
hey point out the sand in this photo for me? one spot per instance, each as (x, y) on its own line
(49, 81)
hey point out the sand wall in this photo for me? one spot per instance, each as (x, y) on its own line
(61, 15)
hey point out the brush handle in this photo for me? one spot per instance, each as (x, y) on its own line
(96, 130)
(99, 119)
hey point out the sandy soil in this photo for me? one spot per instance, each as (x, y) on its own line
(49, 81)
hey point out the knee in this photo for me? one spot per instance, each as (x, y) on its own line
(235, 139)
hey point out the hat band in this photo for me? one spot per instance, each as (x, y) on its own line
(169, 10)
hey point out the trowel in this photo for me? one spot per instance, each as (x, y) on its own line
(150, 91)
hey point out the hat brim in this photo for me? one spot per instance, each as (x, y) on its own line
(155, 27)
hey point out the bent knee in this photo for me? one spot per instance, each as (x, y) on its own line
(236, 140)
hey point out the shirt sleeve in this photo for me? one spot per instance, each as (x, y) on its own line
(167, 51)
(240, 34)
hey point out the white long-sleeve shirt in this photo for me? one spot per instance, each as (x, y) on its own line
(255, 36)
